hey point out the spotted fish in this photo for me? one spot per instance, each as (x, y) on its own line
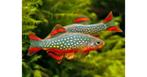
(93, 29)
(61, 43)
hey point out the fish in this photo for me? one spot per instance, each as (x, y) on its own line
(92, 29)
(62, 43)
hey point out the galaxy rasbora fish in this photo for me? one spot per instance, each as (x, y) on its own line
(61, 43)
(93, 29)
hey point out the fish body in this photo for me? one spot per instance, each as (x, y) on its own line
(64, 43)
(94, 29)
(91, 29)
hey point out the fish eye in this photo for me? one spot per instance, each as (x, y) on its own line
(97, 42)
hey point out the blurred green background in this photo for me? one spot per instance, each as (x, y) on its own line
(40, 16)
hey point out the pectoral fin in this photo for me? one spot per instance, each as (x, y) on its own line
(70, 56)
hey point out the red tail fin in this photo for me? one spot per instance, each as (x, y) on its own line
(33, 50)
(114, 28)
(108, 18)
(32, 36)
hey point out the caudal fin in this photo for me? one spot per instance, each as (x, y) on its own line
(32, 36)
(33, 50)
(110, 22)
(114, 28)
(33, 41)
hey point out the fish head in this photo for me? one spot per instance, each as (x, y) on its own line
(96, 43)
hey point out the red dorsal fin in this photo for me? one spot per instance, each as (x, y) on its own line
(32, 36)
(114, 28)
(108, 18)
(81, 19)
(33, 50)
(57, 29)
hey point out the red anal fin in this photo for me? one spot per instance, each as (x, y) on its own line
(33, 50)
(59, 51)
(108, 18)
(114, 28)
(32, 36)
(57, 29)
(54, 56)
(56, 51)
